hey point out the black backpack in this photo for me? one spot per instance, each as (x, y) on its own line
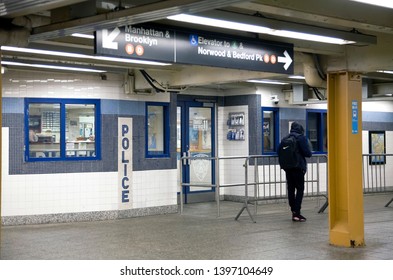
(288, 153)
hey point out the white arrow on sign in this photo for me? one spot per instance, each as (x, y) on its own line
(285, 59)
(107, 38)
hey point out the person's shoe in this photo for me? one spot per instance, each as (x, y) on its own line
(298, 218)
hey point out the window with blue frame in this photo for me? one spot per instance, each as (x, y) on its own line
(157, 130)
(317, 130)
(62, 129)
(270, 128)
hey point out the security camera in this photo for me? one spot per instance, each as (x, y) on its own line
(275, 99)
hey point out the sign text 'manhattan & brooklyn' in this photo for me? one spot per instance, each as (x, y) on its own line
(145, 36)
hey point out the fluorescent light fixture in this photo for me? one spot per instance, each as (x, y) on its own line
(219, 23)
(80, 35)
(385, 71)
(267, 82)
(381, 3)
(310, 37)
(56, 67)
(83, 56)
(297, 77)
(126, 60)
(257, 29)
(235, 21)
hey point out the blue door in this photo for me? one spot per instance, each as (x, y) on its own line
(195, 138)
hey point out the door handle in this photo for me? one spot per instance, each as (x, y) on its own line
(186, 161)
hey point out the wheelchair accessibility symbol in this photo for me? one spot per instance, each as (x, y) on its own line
(194, 40)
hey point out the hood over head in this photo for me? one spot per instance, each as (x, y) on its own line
(297, 128)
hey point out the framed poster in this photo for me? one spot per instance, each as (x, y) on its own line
(377, 145)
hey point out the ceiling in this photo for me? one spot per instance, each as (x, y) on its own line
(48, 24)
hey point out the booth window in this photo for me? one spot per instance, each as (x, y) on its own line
(157, 130)
(62, 129)
(317, 130)
(270, 136)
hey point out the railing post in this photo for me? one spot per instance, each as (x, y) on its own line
(181, 185)
(318, 177)
(245, 205)
(217, 175)
(383, 176)
(246, 179)
(256, 184)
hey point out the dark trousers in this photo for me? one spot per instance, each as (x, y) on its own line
(295, 183)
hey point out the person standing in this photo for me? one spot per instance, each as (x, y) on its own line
(295, 174)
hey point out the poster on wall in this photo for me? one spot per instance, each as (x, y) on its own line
(377, 145)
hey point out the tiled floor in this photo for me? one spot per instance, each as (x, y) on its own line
(198, 234)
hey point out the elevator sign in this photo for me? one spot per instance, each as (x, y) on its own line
(233, 52)
(161, 44)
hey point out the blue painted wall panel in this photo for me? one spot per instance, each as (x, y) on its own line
(377, 116)
(122, 107)
(13, 105)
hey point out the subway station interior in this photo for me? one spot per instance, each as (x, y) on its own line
(149, 129)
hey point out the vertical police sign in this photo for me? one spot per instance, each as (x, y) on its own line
(125, 163)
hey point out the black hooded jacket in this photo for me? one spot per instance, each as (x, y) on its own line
(304, 145)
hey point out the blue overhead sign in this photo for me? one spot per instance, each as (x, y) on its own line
(161, 44)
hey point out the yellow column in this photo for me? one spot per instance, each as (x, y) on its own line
(346, 221)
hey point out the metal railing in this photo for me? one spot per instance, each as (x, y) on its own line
(260, 172)
(268, 182)
(377, 173)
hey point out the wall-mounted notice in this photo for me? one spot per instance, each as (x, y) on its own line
(355, 116)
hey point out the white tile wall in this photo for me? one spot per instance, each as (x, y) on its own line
(20, 84)
(81, 192)
(58, 193)
(231, 170)
(154, 188)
